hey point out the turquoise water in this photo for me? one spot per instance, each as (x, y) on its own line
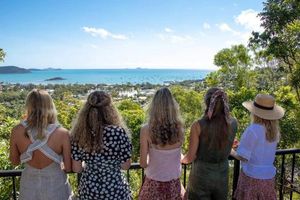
(106, 76)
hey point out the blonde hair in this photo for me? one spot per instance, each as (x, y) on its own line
(165, 124)
(272, 127)
(40, 112)
(97, 112)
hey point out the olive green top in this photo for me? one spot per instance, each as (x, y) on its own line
(213, 155)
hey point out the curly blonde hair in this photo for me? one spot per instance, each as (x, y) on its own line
(272, 127)
(40, 112)
(165, 123)
(97, 112)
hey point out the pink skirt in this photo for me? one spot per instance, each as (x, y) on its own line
(170, 190)
(252, 189)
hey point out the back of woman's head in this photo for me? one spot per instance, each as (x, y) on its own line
(216, 131)
(97, 112)
(40, 111)
(165, 122)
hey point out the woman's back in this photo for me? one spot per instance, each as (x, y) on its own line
(209, 154)
(116, 149)
(101, 176)
(57, 141)
(42, 146)
(164, 161)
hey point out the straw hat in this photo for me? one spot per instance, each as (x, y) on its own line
(264, 107)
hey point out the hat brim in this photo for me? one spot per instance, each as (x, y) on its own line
(276, 113)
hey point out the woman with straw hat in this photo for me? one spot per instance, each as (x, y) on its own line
(257, 150)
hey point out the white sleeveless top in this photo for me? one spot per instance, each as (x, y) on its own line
(40, 145)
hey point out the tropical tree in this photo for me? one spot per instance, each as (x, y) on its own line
(235, 67)
(2, 55)
(281, 38)
(134, 116)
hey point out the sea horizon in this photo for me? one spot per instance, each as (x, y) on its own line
(104, 76)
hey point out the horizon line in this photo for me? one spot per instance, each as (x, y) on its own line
(115, 68)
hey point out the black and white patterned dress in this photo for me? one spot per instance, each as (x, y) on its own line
(102, 177)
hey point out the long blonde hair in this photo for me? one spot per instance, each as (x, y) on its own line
(97, 112)
(40, 112)
(165, 124)
(272, 127)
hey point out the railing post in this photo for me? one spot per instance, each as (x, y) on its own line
(143, 176)
(128, 176)
(184, 176)
(292, 178)
(282, 177)
(78, 178)
(236, 173)
(14, 188)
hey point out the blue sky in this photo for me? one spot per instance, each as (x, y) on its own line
(123, 33)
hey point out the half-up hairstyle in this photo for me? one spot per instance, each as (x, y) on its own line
(217, 119)
(97, 112)
(40, 112)
(165, 124)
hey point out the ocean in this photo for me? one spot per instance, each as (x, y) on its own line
(105, 76)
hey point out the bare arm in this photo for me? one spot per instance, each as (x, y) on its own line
(76, 166)
(67, 152)
(194, 143)
(14, 154)
(144, 146)
(234, 154)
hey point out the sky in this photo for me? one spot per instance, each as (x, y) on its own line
(110, 34)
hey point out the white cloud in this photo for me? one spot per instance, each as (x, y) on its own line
(206, 25)
(169, 36)
(103, 33)
(226, 28)
(249, 19)
(169, 30)
(175, 38)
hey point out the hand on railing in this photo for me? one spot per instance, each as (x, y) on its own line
(235, 144)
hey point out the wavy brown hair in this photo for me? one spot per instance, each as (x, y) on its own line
(97, 112)
(217, 129)
(165, 124)
(40, 112)
(272, 127)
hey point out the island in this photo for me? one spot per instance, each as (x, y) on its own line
(13, 70)
(55, 79)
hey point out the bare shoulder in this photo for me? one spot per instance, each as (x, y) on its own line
(62, 132)
(145, 129)
(144, 132)
(196, 125)
(18, 129)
